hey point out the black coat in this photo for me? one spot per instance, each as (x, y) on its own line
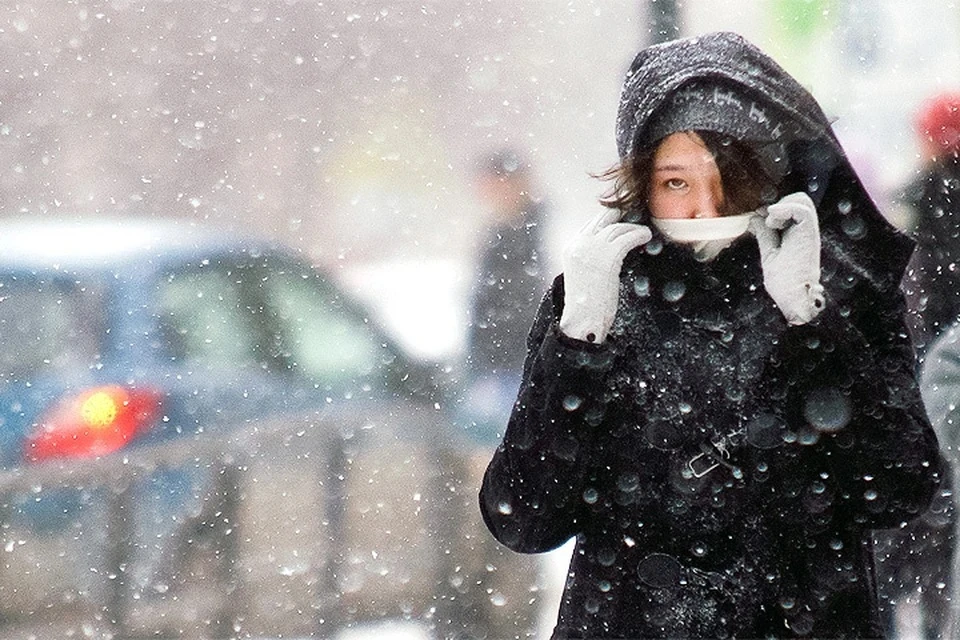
(719, 468)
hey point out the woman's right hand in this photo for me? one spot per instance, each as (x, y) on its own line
(591, 274)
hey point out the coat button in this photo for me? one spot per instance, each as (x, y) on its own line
(660, 571)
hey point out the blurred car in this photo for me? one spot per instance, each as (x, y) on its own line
(202, 434)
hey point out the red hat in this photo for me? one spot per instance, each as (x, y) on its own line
(938, 124)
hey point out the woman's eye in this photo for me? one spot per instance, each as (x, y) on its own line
(675, 184)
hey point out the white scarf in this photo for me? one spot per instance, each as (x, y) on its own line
(707, 236)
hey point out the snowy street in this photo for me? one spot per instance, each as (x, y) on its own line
(276, 276)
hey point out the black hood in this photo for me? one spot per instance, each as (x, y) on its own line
(660, 70)
(853, 229)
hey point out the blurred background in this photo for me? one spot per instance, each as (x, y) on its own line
(349, 130)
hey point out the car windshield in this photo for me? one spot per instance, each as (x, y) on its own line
(206, 320)
(48, 327)
(317, 339)
(233, 315)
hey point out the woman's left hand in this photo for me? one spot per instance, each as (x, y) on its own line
(788, 234)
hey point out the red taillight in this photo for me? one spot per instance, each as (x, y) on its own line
(92, 423)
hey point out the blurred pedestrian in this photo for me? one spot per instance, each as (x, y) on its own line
(933, 196)
(719, 399)
(915, 563)
(507, 288)
(508, 284)
(937, 558)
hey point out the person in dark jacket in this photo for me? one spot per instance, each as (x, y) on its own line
(917, 562)
(507, 289)
(937, 561)
(933, 282)
(719, 398)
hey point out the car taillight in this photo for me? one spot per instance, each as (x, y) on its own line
(92, 423)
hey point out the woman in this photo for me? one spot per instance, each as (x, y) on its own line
(719, 395)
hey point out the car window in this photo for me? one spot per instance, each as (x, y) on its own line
(205, 321)
(48, 327)
(318, 337)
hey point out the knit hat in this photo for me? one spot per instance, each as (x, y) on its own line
(726, 109)
(938, 124)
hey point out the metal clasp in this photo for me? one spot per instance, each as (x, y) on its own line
(691, 465)
(714, 455)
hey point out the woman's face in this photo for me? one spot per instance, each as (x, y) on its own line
(685, 181)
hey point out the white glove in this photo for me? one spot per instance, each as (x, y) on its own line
(591, 274)
(788, 234)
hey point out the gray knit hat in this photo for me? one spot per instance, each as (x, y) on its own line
(711, 105)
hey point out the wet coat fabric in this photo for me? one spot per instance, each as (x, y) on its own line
(718, 468)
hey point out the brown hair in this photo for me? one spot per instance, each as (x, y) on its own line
(746, 184)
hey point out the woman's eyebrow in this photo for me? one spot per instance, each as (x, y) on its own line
(669, 167)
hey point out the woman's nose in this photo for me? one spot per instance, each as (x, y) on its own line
(707, 207)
